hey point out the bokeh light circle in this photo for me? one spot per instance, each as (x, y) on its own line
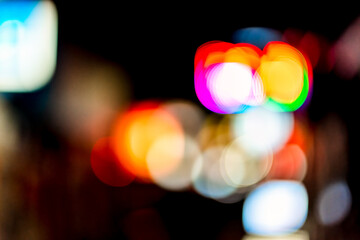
(136, 132)
(275, 208)
(334, 203)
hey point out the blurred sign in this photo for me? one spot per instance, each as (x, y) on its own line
(28, 44)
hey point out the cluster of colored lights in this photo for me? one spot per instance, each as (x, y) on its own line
(223, 157)
(151, 142)
(230, 78)
(155, 142)
(233, 78)
(260, 155)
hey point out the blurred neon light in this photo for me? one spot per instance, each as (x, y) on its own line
(28, 44)
(210, 58)
(230, 78)
(275, 208)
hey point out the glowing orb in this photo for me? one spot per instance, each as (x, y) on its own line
(275, 208)
(148, 134)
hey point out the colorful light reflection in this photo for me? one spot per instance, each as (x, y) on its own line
(230, 78)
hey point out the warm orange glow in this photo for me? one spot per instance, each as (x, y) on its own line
(245, 54)
(279, 50)
(165, 154)
(215, 57)
(137, 131)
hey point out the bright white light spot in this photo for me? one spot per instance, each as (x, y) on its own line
(231, 85)
(275, 207)
(28, 44)
(233, 82)
(261, 130)
(334, 203)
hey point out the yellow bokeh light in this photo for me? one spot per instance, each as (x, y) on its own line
(283, 80)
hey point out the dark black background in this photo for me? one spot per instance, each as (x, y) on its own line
(156, 43)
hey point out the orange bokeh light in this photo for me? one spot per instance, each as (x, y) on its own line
(135, 133)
